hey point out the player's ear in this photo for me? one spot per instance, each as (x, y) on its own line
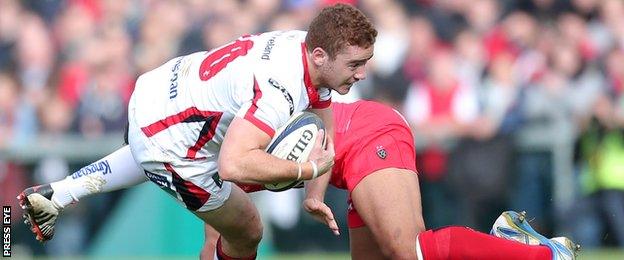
(319, 56)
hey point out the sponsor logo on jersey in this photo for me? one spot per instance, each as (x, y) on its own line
(266, 53)
(161, 181)
(217, 179)
(101, 166)
(381, 152)
(303, 142)
(285, 92)
(173, 85)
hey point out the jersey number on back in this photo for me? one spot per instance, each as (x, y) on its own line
(220, 58)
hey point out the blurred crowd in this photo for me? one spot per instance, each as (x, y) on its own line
(515, 104)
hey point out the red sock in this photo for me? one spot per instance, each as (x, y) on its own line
(465, 243)
(222, 256)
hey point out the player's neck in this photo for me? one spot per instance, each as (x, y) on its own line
(313, 70)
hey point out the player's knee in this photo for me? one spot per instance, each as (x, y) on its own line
(398, 251)
(256, 234)
(398, 246)
(251, 236)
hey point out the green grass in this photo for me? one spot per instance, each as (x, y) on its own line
(602, 254)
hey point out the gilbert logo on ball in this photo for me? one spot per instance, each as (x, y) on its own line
(294, 141)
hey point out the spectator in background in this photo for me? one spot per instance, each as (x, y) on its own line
(160, 34)
(470, 60)
(34, 59)
(9, 31)
(549, 128)
(388, 82)
(18, 122)
(101, 105)
(602, 147)
(439, 108)
(482, 186)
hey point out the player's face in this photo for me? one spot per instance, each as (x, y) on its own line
(347, 68)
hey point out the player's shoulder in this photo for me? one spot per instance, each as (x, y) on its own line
(367, 108)
(281, 64)
(362, 105)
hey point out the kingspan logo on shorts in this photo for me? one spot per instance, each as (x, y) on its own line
(158, 179)
(101, 166)
(285, 92)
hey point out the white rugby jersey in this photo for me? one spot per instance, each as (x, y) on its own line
(186, 105)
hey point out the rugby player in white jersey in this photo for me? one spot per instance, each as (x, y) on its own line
(202, 120)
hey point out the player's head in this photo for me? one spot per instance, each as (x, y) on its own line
(340, 40)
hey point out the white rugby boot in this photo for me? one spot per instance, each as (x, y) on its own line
(513, 226)
(40, 212)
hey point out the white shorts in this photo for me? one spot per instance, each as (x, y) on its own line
(193, 182)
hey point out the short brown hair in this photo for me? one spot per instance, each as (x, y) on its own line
(339, 25)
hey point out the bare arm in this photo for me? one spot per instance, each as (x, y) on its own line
(242, 157)
(315, 189)
(327, 115)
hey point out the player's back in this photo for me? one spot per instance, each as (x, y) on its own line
(194, 98)
(369, 112)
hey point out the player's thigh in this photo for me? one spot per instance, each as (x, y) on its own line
(238, 218)
(363, 244)
(388, 201)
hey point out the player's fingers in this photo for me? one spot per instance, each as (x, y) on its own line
(329, 218)
(326, 211)
(319, 139)
(333, 225)
(327, 140)
(330, 147)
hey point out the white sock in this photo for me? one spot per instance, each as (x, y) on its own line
(418, 250)
(117, 170)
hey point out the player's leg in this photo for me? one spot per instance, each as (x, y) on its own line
(465, 243)
(210, 243)
(43, 203)
(513, 238)
(239, 224)
(388, 201)
(363, 244)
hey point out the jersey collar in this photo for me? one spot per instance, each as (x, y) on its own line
(313, 94)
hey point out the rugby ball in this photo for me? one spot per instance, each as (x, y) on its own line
(294, 141)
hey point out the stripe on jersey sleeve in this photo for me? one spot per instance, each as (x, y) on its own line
(249, 116)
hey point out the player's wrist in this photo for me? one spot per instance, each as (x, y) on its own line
(307, 170)
(315, 170)
(299, 171)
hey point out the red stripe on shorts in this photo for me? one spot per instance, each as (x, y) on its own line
(193, 196)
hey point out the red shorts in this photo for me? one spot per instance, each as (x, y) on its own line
(376, 138)
(399, 152)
